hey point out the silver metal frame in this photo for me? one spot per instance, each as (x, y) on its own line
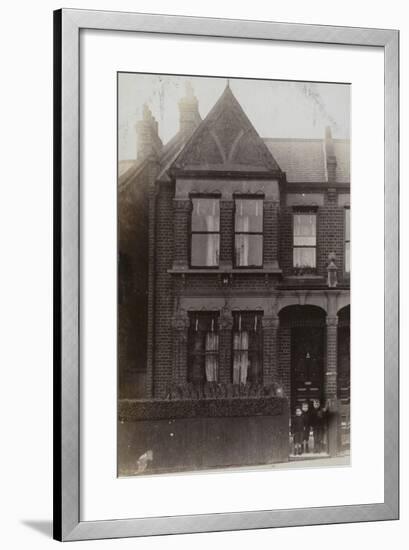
(67, 25)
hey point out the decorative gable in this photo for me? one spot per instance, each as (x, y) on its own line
(226, 142)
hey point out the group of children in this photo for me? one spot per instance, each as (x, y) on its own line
(308, 427)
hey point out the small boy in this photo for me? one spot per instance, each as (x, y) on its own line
(307, 425)
(297, 428)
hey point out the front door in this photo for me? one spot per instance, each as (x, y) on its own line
(307, 361)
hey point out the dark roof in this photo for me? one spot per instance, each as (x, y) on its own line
(303, 160)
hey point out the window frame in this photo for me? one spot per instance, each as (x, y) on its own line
(193, 316)
(259, 197)
(307, 210)
(191, 232)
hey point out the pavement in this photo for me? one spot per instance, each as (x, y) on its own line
(300, 462)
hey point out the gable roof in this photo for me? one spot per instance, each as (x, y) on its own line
(227, 142)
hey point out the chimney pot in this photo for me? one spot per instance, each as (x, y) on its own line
(189, 116)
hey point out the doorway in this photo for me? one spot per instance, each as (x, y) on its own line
(307, 364)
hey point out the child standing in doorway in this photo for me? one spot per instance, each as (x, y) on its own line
(318, 424)
(307, 425)
(297, 428)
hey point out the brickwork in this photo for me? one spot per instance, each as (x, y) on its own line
(286, 238)
(226, 232)
(330, 234)
(136, 254)
(284, 359)
(330, 382)
(238, 282)
(180, 325)
(271, 233)
(270, 350)
(151, 292)
(181, 216)
(164, 302)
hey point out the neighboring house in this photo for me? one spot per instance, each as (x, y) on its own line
(234, 261)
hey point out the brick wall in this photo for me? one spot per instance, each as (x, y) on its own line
(169, 241)
(271, 232)
(284, 359)
(226, 232)
(181, 226)
(133, 282)
(164, 303)
(330, 234)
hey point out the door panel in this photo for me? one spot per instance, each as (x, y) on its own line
(307, 360)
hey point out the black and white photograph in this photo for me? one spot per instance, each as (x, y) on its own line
(181, 364)
(233, 274)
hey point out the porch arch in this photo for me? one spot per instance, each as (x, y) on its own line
(302, 299)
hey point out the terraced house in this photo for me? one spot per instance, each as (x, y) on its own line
(234, 263)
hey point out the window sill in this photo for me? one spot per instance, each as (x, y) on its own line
(306, 276)
(222, 270)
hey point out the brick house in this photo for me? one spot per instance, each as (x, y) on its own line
(234, 261)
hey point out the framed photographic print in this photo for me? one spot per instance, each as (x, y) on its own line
(226, 274)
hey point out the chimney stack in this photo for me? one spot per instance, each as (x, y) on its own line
(330, 157)
(148, 140)
(189, 116)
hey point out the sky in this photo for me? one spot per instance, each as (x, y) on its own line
(276, 108)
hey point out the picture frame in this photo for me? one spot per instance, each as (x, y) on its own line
(68, 24)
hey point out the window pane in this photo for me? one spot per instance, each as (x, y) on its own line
(347, 226)
(304, 257)
(347, 258)
(205, 250)
(249, 215)
(305, 229)
(205, 214)
(240, 367)
(247, 347)
(249, 250)
(241, 341)
(255, 367)
(203, 345)
(211, 361)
